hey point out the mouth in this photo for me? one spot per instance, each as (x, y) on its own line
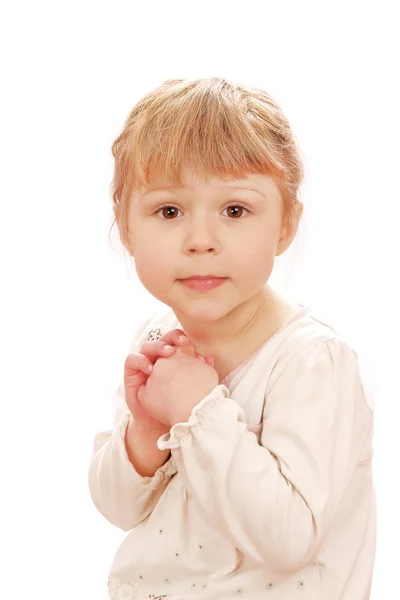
(203, 283)
(201, 277)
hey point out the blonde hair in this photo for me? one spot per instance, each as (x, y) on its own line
(212, 127)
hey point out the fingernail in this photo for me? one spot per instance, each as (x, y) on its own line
(167, 348)
(150, 368)
(182, 338)
(202, 358)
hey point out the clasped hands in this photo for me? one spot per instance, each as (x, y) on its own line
(163, 385)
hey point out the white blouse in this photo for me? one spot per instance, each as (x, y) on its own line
(268, 492)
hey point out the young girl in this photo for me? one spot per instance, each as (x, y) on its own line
(240, 460)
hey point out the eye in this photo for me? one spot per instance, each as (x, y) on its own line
(168, 212)
(237, 210)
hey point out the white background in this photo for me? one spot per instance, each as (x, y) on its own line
(70, 300)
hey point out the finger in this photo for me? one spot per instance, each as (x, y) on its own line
(166, 345)
(134, 381)
(154, 350)
(189, 350)
(137, 362)
(176, 337)
(209, 360)
(140, 393)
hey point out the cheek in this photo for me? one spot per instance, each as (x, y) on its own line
(153, 264)
(150, 259)
(149, 249)
(256, 259)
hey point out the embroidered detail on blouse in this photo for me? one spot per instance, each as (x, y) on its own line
(301, 585)
(153, 597)
(154, 335)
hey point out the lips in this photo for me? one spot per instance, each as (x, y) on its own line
(202, 277)
(203, 283)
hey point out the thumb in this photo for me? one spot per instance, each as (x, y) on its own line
(186, 350)
(209, 360)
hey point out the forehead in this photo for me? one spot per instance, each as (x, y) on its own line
(263, 184)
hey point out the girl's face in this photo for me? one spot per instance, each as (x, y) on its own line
(223, 229)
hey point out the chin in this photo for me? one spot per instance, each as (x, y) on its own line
(206, 312)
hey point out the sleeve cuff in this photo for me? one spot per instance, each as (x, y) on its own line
(181, 431)
(166, 470)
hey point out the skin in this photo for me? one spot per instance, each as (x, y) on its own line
(143, 431)
(176, 385)
(138, 367)
(200, 234)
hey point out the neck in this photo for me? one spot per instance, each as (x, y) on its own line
(232, 329)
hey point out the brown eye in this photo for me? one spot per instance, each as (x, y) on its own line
(235, 211)
(168, 212)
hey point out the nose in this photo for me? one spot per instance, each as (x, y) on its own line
(201, 237)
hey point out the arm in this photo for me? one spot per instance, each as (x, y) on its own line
(127, 473)
(121, 495)
(275, 502)
(142, 450)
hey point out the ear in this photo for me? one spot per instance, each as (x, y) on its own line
(123, 236)
(129, 247)
(289, 230)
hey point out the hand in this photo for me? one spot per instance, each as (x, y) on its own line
(176, 385)
(136, 374)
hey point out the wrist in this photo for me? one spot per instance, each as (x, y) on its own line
(181, 414)
(147, 429)
(142, 450)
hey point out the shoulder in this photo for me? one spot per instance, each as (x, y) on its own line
(310, 333)
(314, 353)
(309, 344)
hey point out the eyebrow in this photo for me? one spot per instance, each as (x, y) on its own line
(153, 188)
(180, 187)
